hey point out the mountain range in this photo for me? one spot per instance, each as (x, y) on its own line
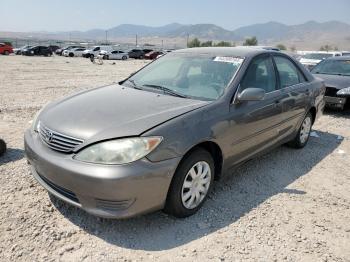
(310, 34)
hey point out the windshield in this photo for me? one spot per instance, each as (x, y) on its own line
(333, 67)
(317, 56)
(195, 76)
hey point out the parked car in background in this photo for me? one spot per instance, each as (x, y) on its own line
(158, 139)
(136, 53)
(345, 53)
(311, 59)
(74, 52)
(60, 50)
(37, 51)
(18, 51)
(153, 55)
(146, 51)
(3, 147)
(336, 74)
(5, 49)
(94, 51)
(114, 55)
(53, 48)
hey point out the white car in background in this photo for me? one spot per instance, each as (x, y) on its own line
(309, 60)
(95, 50)
(73, 52)
(113, 55)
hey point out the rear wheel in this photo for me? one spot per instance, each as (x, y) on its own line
(6, 52)
(303, 134)
(141, 57)
(124, 57)
(191, 184)
(71, 54)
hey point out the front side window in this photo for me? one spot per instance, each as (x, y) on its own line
(96, 49)
(196, 76)
(260, 74)
(289, 74)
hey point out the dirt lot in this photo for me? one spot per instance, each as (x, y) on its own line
(288, 205)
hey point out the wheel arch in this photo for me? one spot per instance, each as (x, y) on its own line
(214, 150)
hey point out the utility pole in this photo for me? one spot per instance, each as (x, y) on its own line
(188, 39)
(106, 37)
(162, 44)
(136, 40)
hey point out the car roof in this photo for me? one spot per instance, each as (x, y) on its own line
(226, 51)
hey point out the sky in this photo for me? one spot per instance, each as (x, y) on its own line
(69, 15)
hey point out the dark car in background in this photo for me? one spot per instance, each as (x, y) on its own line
(37, 51)
(335, 72)
(200, 113)
(5, 49)
(136, 53)
(153, 55)
(53, 48)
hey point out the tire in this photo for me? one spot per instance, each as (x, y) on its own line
(176, 199)
(141, 57)
(2, 147)
(91, 56)
(71, 54)
(6, 52)
(124, 57)
(106, 57)
(303, 134)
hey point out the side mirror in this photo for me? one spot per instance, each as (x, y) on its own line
(251, 94)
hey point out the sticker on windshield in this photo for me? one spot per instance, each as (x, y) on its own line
(229, 59)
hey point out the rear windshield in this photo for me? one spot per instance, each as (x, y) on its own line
(333, 67)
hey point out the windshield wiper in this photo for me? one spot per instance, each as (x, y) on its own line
(134, 85)
(165, 90)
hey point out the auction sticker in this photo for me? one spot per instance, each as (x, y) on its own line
(229, 59)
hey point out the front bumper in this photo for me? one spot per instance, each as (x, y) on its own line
(335, 102)
(112, 191)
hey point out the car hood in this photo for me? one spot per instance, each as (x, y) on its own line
(113, 111)
(335, 81)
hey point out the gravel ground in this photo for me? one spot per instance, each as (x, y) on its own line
(289, 205)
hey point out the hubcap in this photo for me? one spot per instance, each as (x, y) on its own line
(305, 130)
(196, 185)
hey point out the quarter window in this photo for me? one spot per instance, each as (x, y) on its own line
(289, 74)
(260, 74)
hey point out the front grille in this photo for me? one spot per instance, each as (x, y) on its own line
(57, 141)
(331, 91)
(62, 191)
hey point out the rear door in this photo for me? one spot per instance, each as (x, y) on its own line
(295, 93)
(254, 124)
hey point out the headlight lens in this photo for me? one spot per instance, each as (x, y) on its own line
(120, 151)
(344, 91)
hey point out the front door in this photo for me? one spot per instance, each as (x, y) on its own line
(254, 124)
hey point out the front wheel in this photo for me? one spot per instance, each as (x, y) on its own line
(191, 184)
(6, 52)
(303, 134)
(124, 57)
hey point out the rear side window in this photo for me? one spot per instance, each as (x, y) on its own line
(289, 74)
(260, 74)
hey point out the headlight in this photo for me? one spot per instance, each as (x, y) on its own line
(344, 91)
(35, 124)
(120, 151)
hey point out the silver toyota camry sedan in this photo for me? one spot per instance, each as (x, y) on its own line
(160, 138)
